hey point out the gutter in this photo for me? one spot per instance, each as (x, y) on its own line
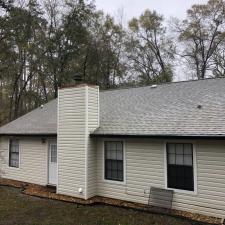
(30, 135)
(160, 136)
(157, 136)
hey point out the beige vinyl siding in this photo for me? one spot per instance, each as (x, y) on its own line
(93, 122)
(91, 166)
(78, 116)
(138, 172)
(33, 161)
(71, 141)
(145, 167)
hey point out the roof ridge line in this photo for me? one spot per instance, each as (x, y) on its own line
(160, 84)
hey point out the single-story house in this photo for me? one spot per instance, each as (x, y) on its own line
(119, 143)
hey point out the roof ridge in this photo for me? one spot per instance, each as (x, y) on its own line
(161, 84)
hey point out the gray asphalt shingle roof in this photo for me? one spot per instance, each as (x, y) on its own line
(39, 121)
(168, 109)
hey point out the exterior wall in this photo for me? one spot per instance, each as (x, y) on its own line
(33, 161)
(145, 167)
(77, 116)
(71, 141)
(91, 170)
(93, 123)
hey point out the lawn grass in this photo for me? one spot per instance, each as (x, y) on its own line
(19, 209)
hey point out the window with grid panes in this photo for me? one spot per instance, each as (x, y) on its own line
(54, 153)
(180, 170)
(14, 153)
(114, 161)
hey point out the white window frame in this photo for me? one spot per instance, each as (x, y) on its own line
(124, 162)
(9, 153)
(195, 192)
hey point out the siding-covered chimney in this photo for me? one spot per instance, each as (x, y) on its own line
(78, 115)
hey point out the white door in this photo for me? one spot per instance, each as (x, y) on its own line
(52, 163)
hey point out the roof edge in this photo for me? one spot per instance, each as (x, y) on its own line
(161, 84)
(160, 136)
(30, 135)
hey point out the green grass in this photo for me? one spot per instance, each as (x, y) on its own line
(19, 209)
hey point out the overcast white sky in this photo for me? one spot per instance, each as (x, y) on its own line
(168, 8)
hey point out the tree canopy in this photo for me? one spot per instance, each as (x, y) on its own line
(44, 46)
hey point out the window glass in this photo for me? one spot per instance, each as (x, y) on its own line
(172, 159)
(179, 159)
(188, 160)
(53, 153)
(171, 148)
(14, 153)
(187, 149)
(179, 149)
(114, 160)
(119, 155)
(180, 171)
(112, 153)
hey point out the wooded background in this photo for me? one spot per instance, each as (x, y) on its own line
(44, 46)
